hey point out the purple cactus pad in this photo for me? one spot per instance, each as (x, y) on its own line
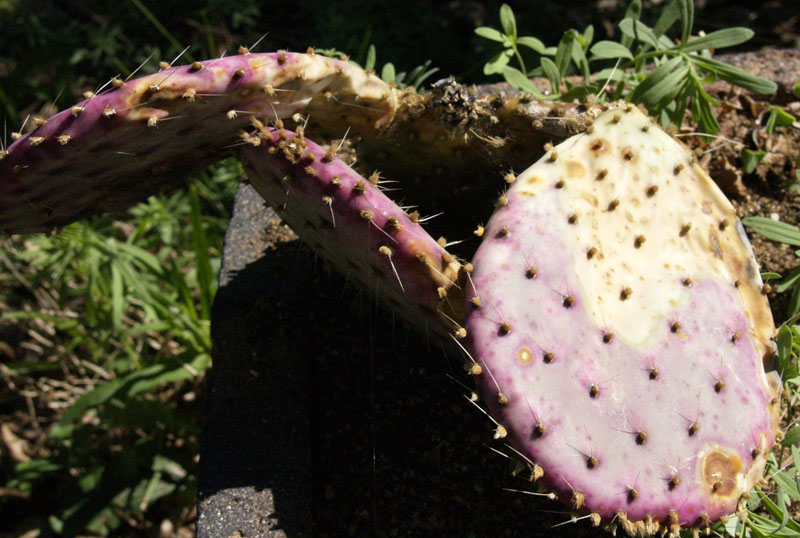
(621, 330)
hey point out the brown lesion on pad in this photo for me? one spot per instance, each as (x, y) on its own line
(599, 146)
(628, 154)
(719, 472)
(715, 247)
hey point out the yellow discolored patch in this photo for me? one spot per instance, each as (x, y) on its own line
(575, 169)
(524, 355)
(533, 180)
(720, 472)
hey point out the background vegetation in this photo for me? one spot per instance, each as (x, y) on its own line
(104, 332)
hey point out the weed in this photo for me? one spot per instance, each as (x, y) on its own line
(650, 68)
(413, 79)
(130, 309)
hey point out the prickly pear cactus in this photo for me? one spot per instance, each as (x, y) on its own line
(614, 314)
(617, 318)
(146, 135)
(349, 221)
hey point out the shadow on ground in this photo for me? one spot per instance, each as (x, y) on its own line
(326, 418)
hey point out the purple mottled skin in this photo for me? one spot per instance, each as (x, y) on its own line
(146, 135)
(643, 413)
(348, 220)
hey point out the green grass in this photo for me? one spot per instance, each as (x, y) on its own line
(126, 307)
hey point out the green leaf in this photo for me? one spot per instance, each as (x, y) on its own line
(563, 53)
(767, 276)
(668, 16)
(419, 80)
(778, 118)
(610, 73)
(751, 158)
(774, 230)
(736, 76)
(26, 472)
(508, 21)
(786, 484)
(604, 50)
(388, 73)
(721, 38)
(797, 90)
(686, 8)
(794, 303)
(784, 351)
(134, 383)
(654, 78)
(666, 88)
(792, 437)
(791, 280)
(117, 300)
(518, 80)
(639, 31)
(498, 62)
(165, 465)
(532, 43)
(578, 56)
(490, 33)
(142, 256)
(588, 36)
(28, 367)
(634, 10)
(552, 74)
(371, 56)
(701, 109)
(205, 275)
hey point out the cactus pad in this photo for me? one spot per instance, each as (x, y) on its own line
(618, 320)
(349, 221)
(145, 135)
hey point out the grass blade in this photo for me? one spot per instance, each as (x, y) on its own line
(205, 277)
(728, 37)
(736, 76)
(774, 230)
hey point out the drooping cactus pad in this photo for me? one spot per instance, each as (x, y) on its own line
(145, 135)
(618, 319)
(350, 222)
